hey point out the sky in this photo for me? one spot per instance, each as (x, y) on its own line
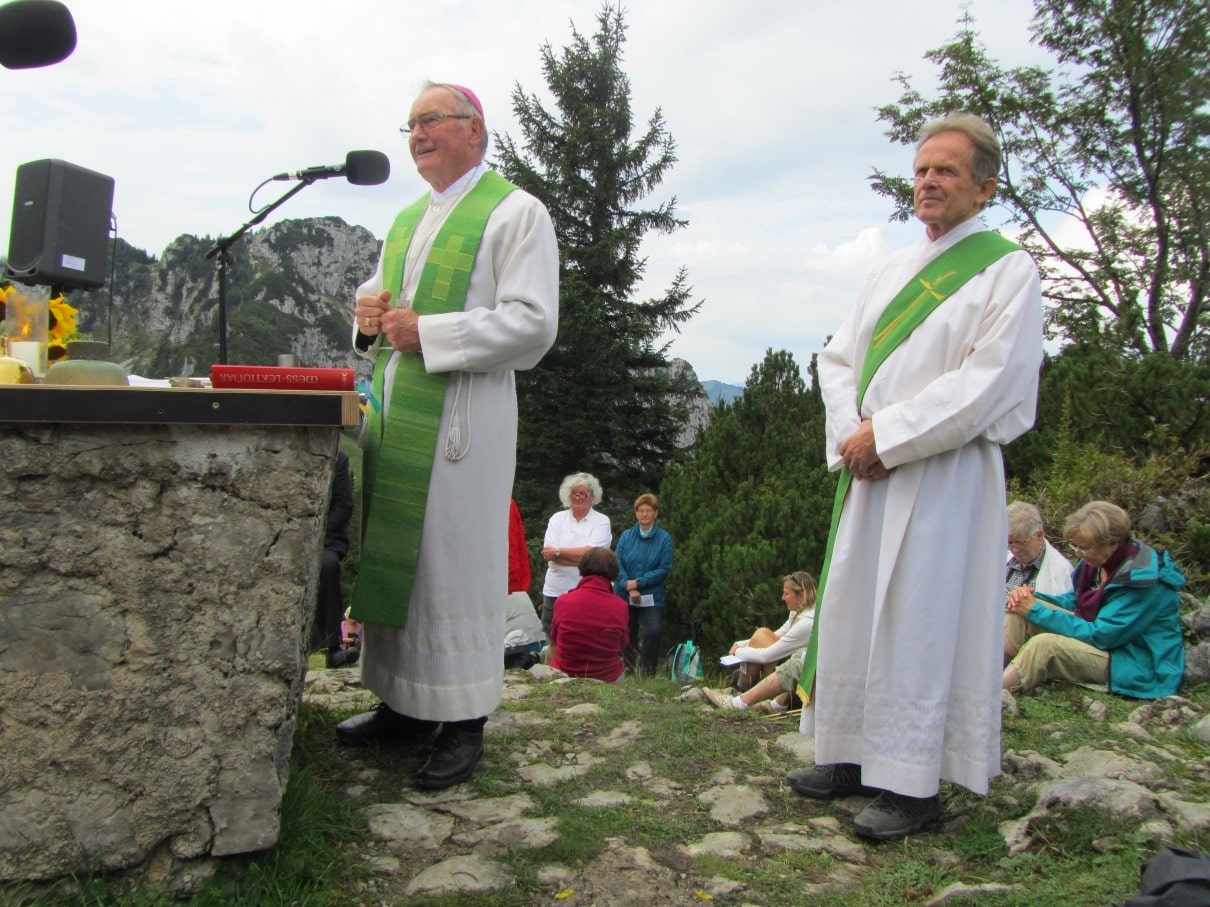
(190, 106)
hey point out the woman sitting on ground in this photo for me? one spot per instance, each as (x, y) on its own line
(590, 628)
(772, 659)
(1120, 626)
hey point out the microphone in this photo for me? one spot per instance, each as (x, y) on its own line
(35, 33)
(361, 168)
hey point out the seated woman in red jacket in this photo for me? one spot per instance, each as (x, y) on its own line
(591, 626)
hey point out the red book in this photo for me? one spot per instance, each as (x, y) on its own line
(274, 377)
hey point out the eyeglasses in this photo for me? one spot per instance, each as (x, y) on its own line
(580, 494)
(1018, 543)
(940, 175)
(430, 121)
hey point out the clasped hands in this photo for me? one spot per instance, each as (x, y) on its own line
(400, 325)
(860, 454)
(1020, 600)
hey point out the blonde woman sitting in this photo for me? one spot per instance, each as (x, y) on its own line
(772, 659)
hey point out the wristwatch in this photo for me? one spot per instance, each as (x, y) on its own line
(558, 553)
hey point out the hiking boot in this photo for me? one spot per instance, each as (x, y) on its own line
(893, 816)
(824, 782)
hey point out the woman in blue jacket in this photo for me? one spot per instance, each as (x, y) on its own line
(644, 561)
(1121, 624)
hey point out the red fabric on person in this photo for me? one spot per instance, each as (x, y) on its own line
(519, 570)
(590, 630)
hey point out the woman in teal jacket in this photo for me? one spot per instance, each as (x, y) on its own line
(644, 561)
(1121, 624)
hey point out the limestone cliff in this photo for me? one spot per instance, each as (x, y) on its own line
(289, 290)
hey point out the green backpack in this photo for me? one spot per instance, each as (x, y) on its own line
(687, 663)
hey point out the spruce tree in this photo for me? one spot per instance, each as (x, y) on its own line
(1106, 171)
(604, 398)
(750, 504)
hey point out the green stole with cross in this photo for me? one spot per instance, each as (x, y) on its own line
(936, 282)
(397, 462)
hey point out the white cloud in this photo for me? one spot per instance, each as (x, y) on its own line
(189, 107)
(849, 256)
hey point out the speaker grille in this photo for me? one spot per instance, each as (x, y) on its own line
(60, 225)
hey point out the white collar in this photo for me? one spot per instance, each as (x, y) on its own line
(457, 187)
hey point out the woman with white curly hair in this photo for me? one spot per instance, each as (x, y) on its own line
(570, 534)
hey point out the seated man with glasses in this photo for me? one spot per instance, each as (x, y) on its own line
(1034, 562)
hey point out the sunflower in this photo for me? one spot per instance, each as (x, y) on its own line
(60, 321)
(61, 326)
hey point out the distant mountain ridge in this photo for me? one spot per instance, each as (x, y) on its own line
(290, 289)
(717, 390)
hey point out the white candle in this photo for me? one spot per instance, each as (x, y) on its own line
(30, 352)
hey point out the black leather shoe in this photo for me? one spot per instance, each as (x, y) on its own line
(382, 725)
(455, 754)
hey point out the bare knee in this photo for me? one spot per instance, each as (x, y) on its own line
(1012, 679)
(762, 638)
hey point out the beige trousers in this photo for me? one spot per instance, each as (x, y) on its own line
(1043, 656)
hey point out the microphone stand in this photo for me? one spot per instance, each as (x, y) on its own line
(222, 248)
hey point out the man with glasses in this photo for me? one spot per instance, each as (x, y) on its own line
(466, 292)
(935, 368)
(1033, 562)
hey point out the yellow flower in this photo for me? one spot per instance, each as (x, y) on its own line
(62, 322)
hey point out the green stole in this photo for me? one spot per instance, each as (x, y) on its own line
(397, 462)
(953, 268)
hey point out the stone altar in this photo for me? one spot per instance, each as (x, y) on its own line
(159, 551)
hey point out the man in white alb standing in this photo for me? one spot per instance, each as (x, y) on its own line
(934, 369)
(466, 292)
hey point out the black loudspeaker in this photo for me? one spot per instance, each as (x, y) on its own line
(61, 215)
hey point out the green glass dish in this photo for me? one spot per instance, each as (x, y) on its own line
(86, 364)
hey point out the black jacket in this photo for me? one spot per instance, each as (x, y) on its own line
(340, 507)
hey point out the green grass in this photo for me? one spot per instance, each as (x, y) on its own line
(1080, 859)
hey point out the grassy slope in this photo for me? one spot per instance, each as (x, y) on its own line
(1082, 859)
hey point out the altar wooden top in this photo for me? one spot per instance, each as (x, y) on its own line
(176, 405)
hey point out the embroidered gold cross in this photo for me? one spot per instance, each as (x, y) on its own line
(929, 289)
(449, 260)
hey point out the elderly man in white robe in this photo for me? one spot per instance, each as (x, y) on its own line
(465, 293)
(910, 620)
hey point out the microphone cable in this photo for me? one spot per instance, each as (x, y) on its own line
(251, 197)
(113, 265)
